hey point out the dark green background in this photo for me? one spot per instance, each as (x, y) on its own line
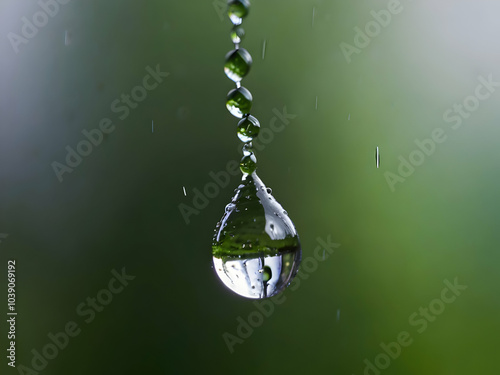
(119, 207)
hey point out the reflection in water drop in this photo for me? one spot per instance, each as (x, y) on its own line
(237, 34)
(237, 10)
(239, 102)
(248, 129)
(256, 252)
(258, 277)
(238, 63)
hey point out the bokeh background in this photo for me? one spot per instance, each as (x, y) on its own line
(120, 206)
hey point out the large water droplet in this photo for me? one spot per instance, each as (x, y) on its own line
(237, 10)
(271, 255)
(239, 102)
(248, 128)
(238, 63)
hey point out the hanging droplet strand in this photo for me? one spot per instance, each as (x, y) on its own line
(256, 249)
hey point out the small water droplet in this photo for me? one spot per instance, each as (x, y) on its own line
(237, 34)
(269, 190)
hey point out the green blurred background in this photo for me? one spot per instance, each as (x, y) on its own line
(120, 206)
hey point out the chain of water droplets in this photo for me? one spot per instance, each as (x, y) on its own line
(239, 100)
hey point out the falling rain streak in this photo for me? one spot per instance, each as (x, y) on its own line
(184, 190)
(316, 102)
(264, 49)
(314, 11)
(377, 157)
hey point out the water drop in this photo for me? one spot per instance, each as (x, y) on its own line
(248, 129)
(238, 63)
(260, 241)
(247, 148)
(237, 34)
(239, 102)
(248, 163)
(237, 10)
(269, 190)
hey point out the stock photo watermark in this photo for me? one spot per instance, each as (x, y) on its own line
(88, 310)
(420, 321)
(220, 7)
(363, 37)
(32, 25)
(122, 107)
(266, 307)
(11, 312)
(455, 116)
(201, 198)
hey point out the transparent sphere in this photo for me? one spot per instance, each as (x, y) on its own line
(238, 63)
(237, 34)
(256, 249)
(248, 148)
(237, 10)
(248, 163)
(248, 128)
(239, 102)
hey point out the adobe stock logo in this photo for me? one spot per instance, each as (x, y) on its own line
(59, 341)
(122, 106)
(455, 116)
(201, 198)
(265, 308)
(31, 27)
(420, 319)
(372, 29)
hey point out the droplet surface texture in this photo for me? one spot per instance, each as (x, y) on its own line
(239, 102)
(248, 128)
(237, 10)
(256, 249)
(238, 63)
